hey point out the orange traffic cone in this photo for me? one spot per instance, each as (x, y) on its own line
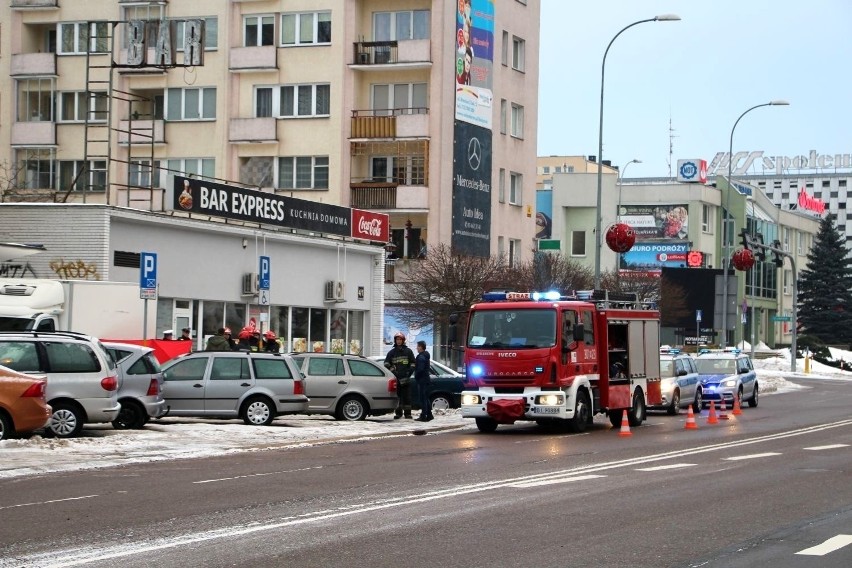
(711, 416)
(690, 420)
(723, 413)
(625, 426)
(737, 410)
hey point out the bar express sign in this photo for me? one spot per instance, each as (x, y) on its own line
(232, 202)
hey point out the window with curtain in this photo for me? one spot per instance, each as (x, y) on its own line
(258, 30)
(306, 28)
(293, 101)
(191, 104)
(303, 172)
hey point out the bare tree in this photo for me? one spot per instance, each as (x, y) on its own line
(547, 271)
(12, 188)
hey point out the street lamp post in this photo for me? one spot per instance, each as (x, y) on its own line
(727, 214)
(598, 240)
(621, 173)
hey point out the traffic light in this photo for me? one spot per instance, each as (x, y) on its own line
(744, 235)
(777, 257)
(760, 252)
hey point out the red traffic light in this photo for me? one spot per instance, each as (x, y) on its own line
(620, 237)
(743, 259)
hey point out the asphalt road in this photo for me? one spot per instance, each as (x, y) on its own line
(772, 486)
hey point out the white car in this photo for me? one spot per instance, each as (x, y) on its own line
(680, 384)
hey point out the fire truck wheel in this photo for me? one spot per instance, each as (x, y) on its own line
(582, 412)
(636, 415)
(486, 425)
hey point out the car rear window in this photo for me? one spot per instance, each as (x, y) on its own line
(145, 365)
(271, 369)
(71, 358)
(364, 369)
(19, 355)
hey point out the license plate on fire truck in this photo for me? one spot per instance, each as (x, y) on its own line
(546, 410)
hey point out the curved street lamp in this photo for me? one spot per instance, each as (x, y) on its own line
(726, 212)
(598, 241)
(620, 180)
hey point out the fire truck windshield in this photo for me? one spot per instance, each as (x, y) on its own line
(512, 329)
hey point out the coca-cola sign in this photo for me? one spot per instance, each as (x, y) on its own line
(370, 226)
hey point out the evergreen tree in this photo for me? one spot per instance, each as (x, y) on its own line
(825, 300)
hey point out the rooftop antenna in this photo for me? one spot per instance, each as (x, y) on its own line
(671, 143)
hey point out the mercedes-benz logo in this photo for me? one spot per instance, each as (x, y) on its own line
(474, 153)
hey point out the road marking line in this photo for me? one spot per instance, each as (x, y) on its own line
(662, 467)
(832, 544)
(752, 456)
(831, 447)
(48, 502)
(553, 481)
(258, 474)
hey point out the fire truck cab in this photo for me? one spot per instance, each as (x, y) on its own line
(560, 360)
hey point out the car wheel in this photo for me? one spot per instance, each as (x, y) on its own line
(6, 430)
(636, 415)
(486, 425)
(752, 402)
(351, 408)
(582, 412)
(698, 403)
(440, 402)
(131, 416)
(739, 395)
(66, 420)
(258, 411)
(674, 407)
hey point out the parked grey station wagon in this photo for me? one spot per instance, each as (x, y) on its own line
(256, 387)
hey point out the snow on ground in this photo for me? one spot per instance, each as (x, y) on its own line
(171, 438)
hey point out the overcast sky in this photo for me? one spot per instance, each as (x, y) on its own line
(700, 73)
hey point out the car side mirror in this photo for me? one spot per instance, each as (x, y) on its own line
(682, 373)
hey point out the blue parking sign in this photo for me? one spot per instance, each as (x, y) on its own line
(264, 273)
(148, 275)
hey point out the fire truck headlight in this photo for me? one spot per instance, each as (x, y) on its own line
(468, 399)
(476, 370)
(549, 400)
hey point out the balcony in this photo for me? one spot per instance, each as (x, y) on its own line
(253, 130)
(253, 59)
(35, 4)
(412, 54)
(384, 195)
(33, 65)
(142, 131)
(390, 123)
(35, 133)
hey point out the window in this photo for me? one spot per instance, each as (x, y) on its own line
(271, 369)
(399, 98)
(191, 167)
(501, 248)
(35, 99)
(325, 366)
(364, 369)
(71, 358)
(21, 356)
(308, 28)
(230, 369)
(501, 190)
(706, 218)
(140, 173)
(504, 56)
(72, 107)
(191, 104)
(518, 46)
(303, 172)
(516, 190)
(826, 183)
(517, 120)
(258, 30)
(578, 243)
(36, 168)
(74, 38)
(841, 183)
(402, 170)
(788, 277)
(400, 26)
(504, 105)
(92, 179)
(293, 101)
(786, 240)
(211, 33)
(188, 370)
(588, 328)
(545, 169)
(514, 253)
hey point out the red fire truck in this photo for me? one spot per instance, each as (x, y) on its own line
(560, 360)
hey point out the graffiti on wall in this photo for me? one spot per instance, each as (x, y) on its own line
(16, 270)
(75, 269)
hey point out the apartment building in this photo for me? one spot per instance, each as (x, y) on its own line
(361, 103)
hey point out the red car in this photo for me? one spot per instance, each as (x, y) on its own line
(22, 405)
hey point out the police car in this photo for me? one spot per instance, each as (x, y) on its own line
(679, 384)
(725, 375)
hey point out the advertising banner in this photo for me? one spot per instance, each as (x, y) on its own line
(649, 258)
(394, 324)
(232, 202)
(544, 214)
(474, 47)
(657, 222)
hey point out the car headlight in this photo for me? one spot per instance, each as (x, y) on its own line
(549, 400)
(728, 383)
(470, 399)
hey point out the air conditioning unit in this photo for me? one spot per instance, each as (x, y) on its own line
(335, 291)
(250, 286)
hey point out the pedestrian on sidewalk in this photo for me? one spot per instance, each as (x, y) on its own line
(422, 379)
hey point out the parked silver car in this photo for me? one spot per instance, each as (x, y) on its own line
(140, 385)
(253, 386)
(680, 383)
(348, 387)
(81, 376)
